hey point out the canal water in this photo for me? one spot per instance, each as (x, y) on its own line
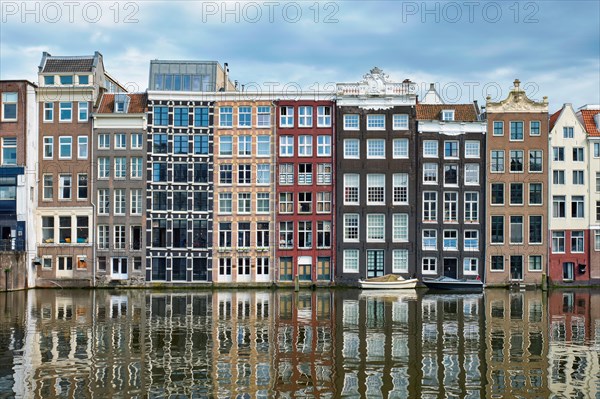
(312, 344)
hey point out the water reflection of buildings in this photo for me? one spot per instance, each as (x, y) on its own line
(517, 342)
(574, 333)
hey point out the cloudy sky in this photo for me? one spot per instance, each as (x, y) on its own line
(468, 48)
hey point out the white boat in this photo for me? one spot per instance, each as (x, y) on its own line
(387, 282)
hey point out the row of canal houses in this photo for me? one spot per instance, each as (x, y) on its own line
(199, 181)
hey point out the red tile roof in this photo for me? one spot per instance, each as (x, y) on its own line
(462, 112)
(554, 118)
(588, 121)
(137, 103)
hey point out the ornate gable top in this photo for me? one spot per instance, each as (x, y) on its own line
(376, 83)
(517, 101)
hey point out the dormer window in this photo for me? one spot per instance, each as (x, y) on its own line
(121, 103)
(448, 115)
(66, 79)
(49, 80)
(84, 79)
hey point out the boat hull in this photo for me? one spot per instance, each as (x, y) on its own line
(458, 285)
(388, 285)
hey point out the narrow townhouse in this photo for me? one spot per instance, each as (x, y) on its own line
(517, 189)
(118, 151)
(450, 189)
(376, 175)
(305, 191)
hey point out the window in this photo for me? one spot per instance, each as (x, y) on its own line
(263, 203)
(225, 266)
(497, 191)
(450, 175)
(226, 116)
(597, 210)
(400, 122)
(470, 265)
(64, 187)
(119, 197)
(225, 205)
(375, 122)
(64, 263)
(578, 154)
(430, 149)
(159, 233)
(429, 240)
(472, 149)
(598, 182)
(136, 167)
(136, 201)
(305, 175)
(82, 229)
(471, 240)
(323, 234)
(534, 128)
(286, 146)
(65, 111)
(429, 265)
(48, 183)
(535, 229)
(400, 261)
(286, 235)
(375, 228)
(450, 149)
(375, 189)
(263, 173)
(516, 229)
(497, 161)
(305, 144)
(201, 144)
(597, 240)
(323, 116)
(516, 161)
(304, 202)
(103, 201)
(244, 173)
(448, 115)
(225, 235)
(400, 148)
(497, 263)
(49, 80)
(48, 112)
(559, 206)
(535, 161)
(286, 203)
(243, 235)
(47, 229)
(64, 143)
(263, 146)
(450, 207)
(568, 271)
(323, 146)
(516, 131)
(103, 236)
(263, 116)
(577, 206)
(225, 173)
(400, 188)
(535, 194)
(180, 144)
(558, 176)
(351, 261)
(305, 235)
(450, 242)
(351, 188)
(137, 140)
(578, 177)
(471, 207)
(400, 227)
(535, 263)
(558, 241)
(244, 146)
(567, 132)
(82, 107)
(430, 173)
(64, 229)
(324, 173)
(472, 174)
(159, 172)
(245, 116)
(286, 116)
(9, 150)
(243, 202)
(577, 244)
(161, 116)
(516, 193)
(497, 229)
(226, 146)
(66, 79)
(429, 206)
(558, 154)
(201, 116)
(351, 122)
(351, 222)
(119, 237)
(351, 149)
(262, 235)
(305, 116)
(82, 186)
(160, 145)
(286, 173)
(200, 201)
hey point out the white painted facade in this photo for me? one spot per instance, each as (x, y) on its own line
(28, 187)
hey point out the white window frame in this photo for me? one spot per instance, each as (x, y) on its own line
(49, 110)
(375, 121)
(430, 205)
(472, 149)
(450, 235)
(305, 116)
(400, 184)
(135, 195)
(375, 227)
(351, 181)
(351, 225)
(305, 146)
(374, 181)
(471, 174)
(286, 116)
(62, 180)
(351, 261)
(351, 122)
(323, 116)
(400, 122)
(400, 149)
(349, 146)
(400, 227)
(286, 146)
(82, 107)
(137, 168)
(62, 106)
(429, 265)
(69, 144)
(376, 149)
(120, 203)
(430, 149)
(430, 170)
(48, 143)
(82, 147)
(263, 146)
(430, 235)
(324, 146)
(400, 261)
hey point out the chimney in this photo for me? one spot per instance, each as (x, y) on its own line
(226, 72)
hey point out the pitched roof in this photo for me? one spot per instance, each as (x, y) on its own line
(554, 118)
(68, 64)
(462, 112)
(137, 103)
(588, 121)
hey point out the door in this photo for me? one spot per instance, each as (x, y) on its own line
(516, 268)
(375, 266)
(64, 267)
(119, 268)
(450, 267)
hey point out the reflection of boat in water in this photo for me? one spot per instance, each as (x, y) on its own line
(387, 282)
(390, 295)
(449, 283)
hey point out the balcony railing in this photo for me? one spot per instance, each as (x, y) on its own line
(12, 244)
